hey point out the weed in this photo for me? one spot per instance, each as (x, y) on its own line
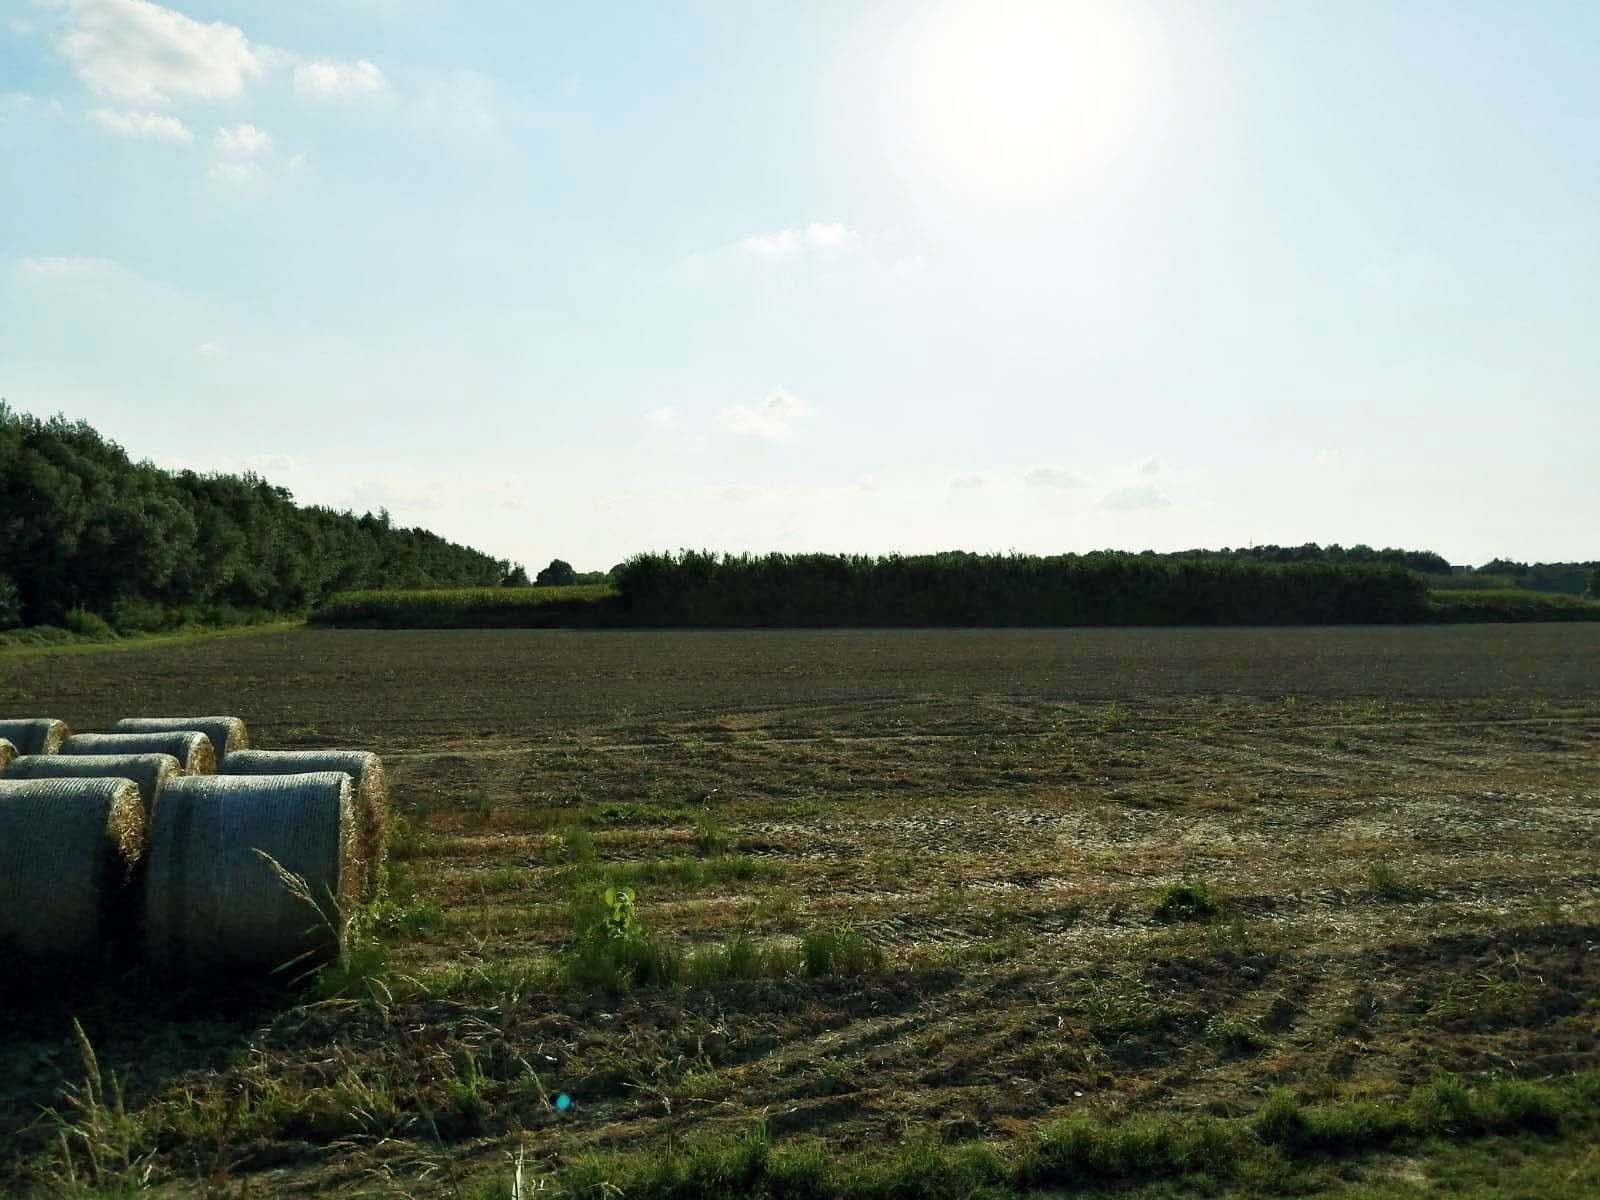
(1387, 884)
(841, 950)
(101, 1145)
(710, 837)
(1235, 1037)
(1186, 902)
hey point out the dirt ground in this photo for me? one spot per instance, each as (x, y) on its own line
(1400, 827)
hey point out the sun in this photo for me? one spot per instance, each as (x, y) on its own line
(1011, 97)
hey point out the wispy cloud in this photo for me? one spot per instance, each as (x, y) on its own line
(664, 417)
(967, 483)
(242, 141)
(327, 79)
(773, 420)
(235, 174)
(1135, 499)
(1050, 477)
(140, 52)
(787, 243)
(147, 126)
(64, 266)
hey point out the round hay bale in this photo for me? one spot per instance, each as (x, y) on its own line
(192, 750)
(7, 752)
(150, 772)
(35, 735)
(373, 808)
(212, 899)
(227, 734)
(67, 849)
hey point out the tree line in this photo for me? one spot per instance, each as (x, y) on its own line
(84, 529)
(705, 589)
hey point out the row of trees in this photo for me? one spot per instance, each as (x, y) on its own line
(83, 528)
(705, 589)
(1426, 561)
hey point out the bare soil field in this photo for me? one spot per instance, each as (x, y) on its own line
(1124, 875)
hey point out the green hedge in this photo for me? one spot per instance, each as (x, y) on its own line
(703, 589)
(472, 608)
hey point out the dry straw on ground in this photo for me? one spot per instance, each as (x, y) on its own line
(215, 896)
(150, 772)
(192, 750)
(7, 752)
(41, 735)
(371, 795)
(67, 848)
(227, 734)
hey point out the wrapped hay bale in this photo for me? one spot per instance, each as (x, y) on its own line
(192, 750)
(149, 772)
(227, 734)
(67, 849)
(371, 796)
(212, 899)
(7, 752)
(40, 735)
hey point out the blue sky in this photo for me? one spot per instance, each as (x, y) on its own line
(582, 279)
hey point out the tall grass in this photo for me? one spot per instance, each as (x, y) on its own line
(1512, 604)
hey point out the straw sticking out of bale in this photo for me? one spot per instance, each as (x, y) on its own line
(214, 901)
(227, 734)
(192, 750)
(7, 752)
(149, 772)
(41, 735)
(67, 848)
(371, 796)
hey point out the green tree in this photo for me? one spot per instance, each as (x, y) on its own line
(557, 574)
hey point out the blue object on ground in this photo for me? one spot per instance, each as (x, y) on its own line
(563, 1102)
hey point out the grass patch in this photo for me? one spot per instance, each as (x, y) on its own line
(1276, 1150)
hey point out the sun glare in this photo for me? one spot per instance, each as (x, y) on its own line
(1010, 98)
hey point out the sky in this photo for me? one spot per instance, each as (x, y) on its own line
(581, 280)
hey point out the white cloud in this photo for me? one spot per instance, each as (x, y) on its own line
(65, 267)
(1135, 499)
(137, 51)
(787, 243)
(966, 483)
(209, 350)
(326, 79)
(147, 126)
(774, 420)
(235, 173)
(242, 140)
(662, 418)
(1150, 466)
(779, 244)
(1050, 477)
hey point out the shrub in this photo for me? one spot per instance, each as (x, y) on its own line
(10, 604)
(86, 624)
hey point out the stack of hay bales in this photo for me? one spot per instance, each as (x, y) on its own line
(191, 749)
(226, 734)
(35, 735)
(68, 850)
(150, 773)
(255, 869)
